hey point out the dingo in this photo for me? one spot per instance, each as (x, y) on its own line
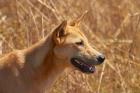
(34, 69)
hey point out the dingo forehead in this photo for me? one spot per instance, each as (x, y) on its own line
(74, 34)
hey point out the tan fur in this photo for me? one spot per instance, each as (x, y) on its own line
(35, 69)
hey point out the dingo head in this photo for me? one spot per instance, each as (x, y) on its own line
(72, 46)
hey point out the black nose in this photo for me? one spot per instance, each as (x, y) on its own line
(100, 58)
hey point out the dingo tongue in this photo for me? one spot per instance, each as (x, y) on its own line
(86, 68)
(92, 69)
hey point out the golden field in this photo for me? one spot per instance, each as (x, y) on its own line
(113, 27)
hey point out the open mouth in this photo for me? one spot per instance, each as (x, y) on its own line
(80, 64)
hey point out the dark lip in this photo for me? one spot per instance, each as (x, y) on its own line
(80, 64)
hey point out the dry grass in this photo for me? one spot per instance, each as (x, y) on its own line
(112, 25)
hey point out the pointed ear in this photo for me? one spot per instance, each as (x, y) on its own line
(78, 20)
(60, 32)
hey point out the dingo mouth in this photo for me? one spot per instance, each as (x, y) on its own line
(82, 66)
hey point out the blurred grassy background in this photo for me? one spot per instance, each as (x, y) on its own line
(112, 25)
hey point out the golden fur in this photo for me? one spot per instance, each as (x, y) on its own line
(34, 69)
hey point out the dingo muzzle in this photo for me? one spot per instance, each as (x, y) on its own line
(86, 64)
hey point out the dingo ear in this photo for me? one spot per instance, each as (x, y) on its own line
(60, 32)
(78, 20)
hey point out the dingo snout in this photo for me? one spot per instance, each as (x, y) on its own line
(86, 63)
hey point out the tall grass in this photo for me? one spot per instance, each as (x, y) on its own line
(113, 27)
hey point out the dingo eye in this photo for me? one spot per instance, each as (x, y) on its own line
(80, 43)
